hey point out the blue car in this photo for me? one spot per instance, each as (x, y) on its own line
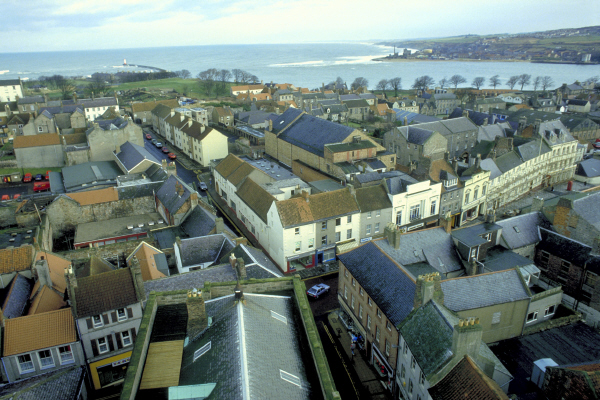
(39, 177)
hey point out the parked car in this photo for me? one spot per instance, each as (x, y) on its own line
(148, 136)
(203, 186)
(16, 196)
(165, 150)
(39, 177)
(154, 141)
(48, 175)
(158, 144)
(172, 156)
(318, 290)
(596, 144)
(27, 177)
(41, 186)
(5, 197)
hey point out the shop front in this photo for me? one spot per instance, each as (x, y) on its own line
(301, 261)
(326, 254)
(109, 371)
(383, 368)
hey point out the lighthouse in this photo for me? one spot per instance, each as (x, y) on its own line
(124, 62)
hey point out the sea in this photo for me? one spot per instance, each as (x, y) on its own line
(306, 65)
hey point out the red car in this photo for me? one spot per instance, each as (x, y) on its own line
(48, 175)
(5, 197)
(148, 136)
(27, 177)
(596, 144)
(41, 186)
(165, 150)
(172, 156)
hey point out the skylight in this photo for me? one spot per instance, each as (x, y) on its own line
(516, 228)
(201, 351)
(286, 376)
(278, 317)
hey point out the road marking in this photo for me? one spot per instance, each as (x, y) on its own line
(319, 276)
(341, 359)
(225, 214)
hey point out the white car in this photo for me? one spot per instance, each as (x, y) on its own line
(317, 290)
(203, 186)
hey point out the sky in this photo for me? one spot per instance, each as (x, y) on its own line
(53, 25)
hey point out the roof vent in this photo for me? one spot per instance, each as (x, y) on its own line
(293, 379)
(29, 231)
(140, 225)
(11, 240)
(13, 234)
(516, 228)
(151, 223)
(160, 221)
(129, 226)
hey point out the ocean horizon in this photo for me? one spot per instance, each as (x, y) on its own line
(303, 64)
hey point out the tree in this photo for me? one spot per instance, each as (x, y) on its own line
(443, 82)
(339, 80)
(456, 80)
(423, 82)
(546, 82)
(396, 84)
(512, 81)
(478, 82)
(206, 79)
(185, 74)
(237, 74)
(224, 77)
(253, 79)
(360, 82)
(524, 80)
(593, 81)
(495, 81)
(537, 82)
(185, 89)
(65, 86)
(382, 85)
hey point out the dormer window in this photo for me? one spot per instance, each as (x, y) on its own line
(450, 182)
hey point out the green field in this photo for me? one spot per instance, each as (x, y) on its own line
(32, 171)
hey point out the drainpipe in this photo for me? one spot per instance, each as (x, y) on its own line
(5, 373)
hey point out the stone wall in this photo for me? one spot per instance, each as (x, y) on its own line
(79, 156)
(40, 156)
(107, 251)
(103, 143)
(214, 290)
(8, 216)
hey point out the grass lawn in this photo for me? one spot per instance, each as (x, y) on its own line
(32, 171)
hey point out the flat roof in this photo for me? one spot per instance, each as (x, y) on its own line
(93, 231)
(271, 168)
(250, 131)
(163, 364)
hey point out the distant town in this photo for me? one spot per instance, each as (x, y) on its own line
(167, 236)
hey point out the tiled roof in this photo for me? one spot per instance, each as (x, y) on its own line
(388, 285)
(145, 255)
(257, 198)
(483, 290)
(522, 230)
(168, 196)
(372, 198)
(96, 294)
(466, 381)
(161, 111)
(240, 173)
(23, 334)
(132, 154)
(46, 300)
(17, 259)
(228, 165)
(97, 196)
(44, 139)
(296, 211)
(56, 265)
(17, 296)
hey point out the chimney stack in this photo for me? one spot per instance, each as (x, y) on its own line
(270, 125)
(490, 216)
(305, 195)
(478, 161)
(71, 286)
(241, 269)
(392, 234)
(471, 268)
(138, 281)
(537, 205)
(446, 222)
(196, 309)
(42, 271)
(466, 338)
(351, 189)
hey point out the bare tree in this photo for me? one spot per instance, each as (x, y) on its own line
(185, 74)
(65, 86)
(443, 82)
(423, 82)
(478, 82)
(382, 85)
(254, 79)
(495, 81)
(237, 75)
(339, 80)
(456, 80)
(546, 82)
(537, 82)
(206, 79)
(224, 77)
(360, 82)
(512, 81)
(524, 80)
(396, 84)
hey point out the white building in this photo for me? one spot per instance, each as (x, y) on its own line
(415, 204)
(10, 89)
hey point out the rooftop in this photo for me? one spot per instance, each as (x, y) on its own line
(103, 292)
(117, 227)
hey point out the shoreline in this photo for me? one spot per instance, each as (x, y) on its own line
(385, 59)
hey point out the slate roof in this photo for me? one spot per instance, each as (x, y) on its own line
(249, 349)
(360, 103)
(467, 381)
(376, 176)
(478, 118)
(563, 247)
(168, 196)
(483, 290)
(433, 246)
(532, 149)
(321, 206)
(103, 172)
(522, 230)
(531, 115)
(412, 117)
(17, 296)
(258, 265)
(190, 280)
(253, 117)
(312, 133)
(256, 197)
(399, 184)
(589, 168)
(204, 249)
(389, 286)
(131, 155)
(198, 223)
(103, 292)
(417, 135)
(342, 147)
(471, 235)
(501, 259)
(161, 111)
(589, 209)
(429, 337)
(23, 334)
(62, 384)
(508, 161)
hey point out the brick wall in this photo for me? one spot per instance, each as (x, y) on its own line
(553, 270)
(107, 251)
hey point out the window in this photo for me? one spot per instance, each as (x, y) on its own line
(338, 221)
(25, 363)
(388, 325)
(324, 240)
(46, 360)
(413, 362)
(102, 345)
(467, 197)
(346, 273)
(405, 349)
(97, 320)
(488, 237)
(532, 316)
(368, 322)
(349, 234)
(323, 225)
(40, 129)
(398, 217)
(345, 292)
(377, 334)
(475, 193)
(369, 229)
(377, 227)
(349, 219)
(311, 243)
(370, 302)
(297, 231)
(387, 348)
(496, 317)
(403, 371)
(378, 213)
(591, 279)
(410, 386)
(360, 311)
(361, 291)
(422, 378)
(544, 256)
(379, 313)
(415, 212)
(66, 355)
(474, 252)
(369, 214)
(121, 314)
(483, 190)
(353, 282)
(433, 204)
(297, 246)
(549, 311)
(352, 302)
(338, 236)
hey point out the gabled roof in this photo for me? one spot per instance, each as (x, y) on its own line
(168, 196)
(131, 155)
(256, 197)
(161, 111)
(316, 207)
(198, 223)
(588, 208)
(204, 249)
(522, 230)
(44, 139)
(23, 334)
(589, 168)
(228, 165)
(471, 235)
(97, 196)
(46, 300)
(17, 259)
(467, 381)
(56, 265)
(148, 265)
(416, 135)
(385, 282)
(194, 279)
(372, 198)
(258, 265)
(107, 291)
(17, 297)
(360, 103)
(483, 290)
(151, 105)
